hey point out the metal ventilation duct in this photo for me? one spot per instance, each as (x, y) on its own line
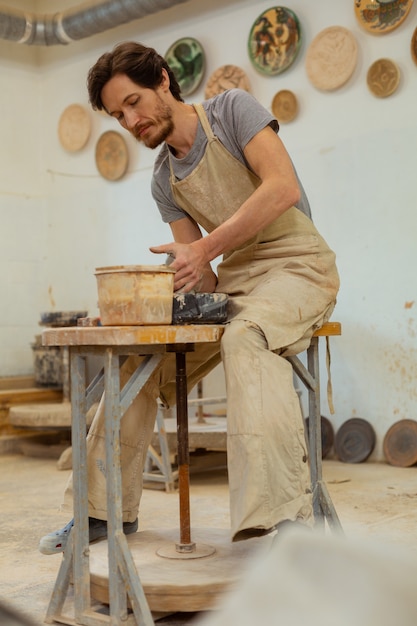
(79, 22)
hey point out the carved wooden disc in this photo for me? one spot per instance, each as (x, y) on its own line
(331, 58)
(383, 78)
(224, 78)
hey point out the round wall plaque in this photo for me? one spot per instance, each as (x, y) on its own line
(285, 106)
(274, 40)
(331, 58)
(186, 59)
(74, 127)
(381, 16)
(111, 155)
(383, 78)
(414, 46)
(224, 78)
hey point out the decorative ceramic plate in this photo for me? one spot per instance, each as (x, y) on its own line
(274, 40)
(414, 46)
(74, 127)
(381, 16)
(331, 58)
(383, 78)
(224, 78)
(285, 106)
(187, 60)
(111, 155)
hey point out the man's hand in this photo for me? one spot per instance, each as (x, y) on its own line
(189, 263)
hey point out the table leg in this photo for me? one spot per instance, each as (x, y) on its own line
(185, 544)
(123, 576)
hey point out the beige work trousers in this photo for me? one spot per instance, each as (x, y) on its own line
(267, 459)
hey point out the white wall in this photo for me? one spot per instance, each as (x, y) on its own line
(354, 152)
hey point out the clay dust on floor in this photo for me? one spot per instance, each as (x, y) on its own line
(371, 499)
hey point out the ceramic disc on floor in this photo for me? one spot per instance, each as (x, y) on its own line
(331, 58)
(355, 441)
(383, 78)
(327, 435)
(400, 443)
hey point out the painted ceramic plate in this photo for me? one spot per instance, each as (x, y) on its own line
(381, 16)
(111, 155)
(224, 78)
(74, 127)
(274, 40)
(383, 78)
(187, 60)
(331, 58)
(285, 106)
(414, 46)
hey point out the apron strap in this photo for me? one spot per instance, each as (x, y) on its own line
(199, 109)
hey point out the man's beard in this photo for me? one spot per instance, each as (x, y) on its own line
(163, 123)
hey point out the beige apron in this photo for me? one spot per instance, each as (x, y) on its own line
(284, 282)
(287, 255)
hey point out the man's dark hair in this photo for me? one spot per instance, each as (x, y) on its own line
(141, 64)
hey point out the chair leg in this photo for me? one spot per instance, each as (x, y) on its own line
(322, 505)
(323, 508)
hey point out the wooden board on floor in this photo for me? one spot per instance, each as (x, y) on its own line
(180, 584)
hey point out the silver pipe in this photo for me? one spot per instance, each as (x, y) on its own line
(84, 20)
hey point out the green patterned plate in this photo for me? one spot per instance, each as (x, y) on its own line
(187, 60)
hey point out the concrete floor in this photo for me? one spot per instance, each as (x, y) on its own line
(373, 500)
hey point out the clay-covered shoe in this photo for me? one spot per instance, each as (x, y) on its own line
(55, 542)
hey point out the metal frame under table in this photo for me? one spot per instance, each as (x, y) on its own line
(115, 344)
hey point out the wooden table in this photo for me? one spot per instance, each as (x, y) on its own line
(115, 344)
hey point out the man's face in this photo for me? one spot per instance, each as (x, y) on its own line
(141, 111)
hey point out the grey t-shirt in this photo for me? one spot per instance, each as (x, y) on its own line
(235, 117)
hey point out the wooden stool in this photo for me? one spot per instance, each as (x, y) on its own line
(310, 376)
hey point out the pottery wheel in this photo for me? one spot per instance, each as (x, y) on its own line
(188, 584)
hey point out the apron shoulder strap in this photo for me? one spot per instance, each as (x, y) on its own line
(199, 109)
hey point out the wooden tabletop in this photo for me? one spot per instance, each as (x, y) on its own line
(131, 335)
